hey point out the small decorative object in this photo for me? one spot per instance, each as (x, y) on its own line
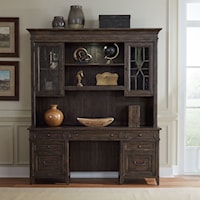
(58, 22)
(76, 17)
(48, 85)
(79, 77)
(114, 21)
(53, 116)
(95, 122)
(134, 116)
(53, 60)
(139, 58)
(82, 55)
(111, 52)
(107, 78)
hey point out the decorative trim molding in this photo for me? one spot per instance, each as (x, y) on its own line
(10, 171)
(22, 145)
(6, 147)
(15, 115)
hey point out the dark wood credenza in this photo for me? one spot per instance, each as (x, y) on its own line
(130, 145)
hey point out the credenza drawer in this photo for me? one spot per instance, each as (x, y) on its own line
(138, 163)
(96, 135)
(137, 134)
(53, 148)
(48, 135)
(139, 146)
(49, 166)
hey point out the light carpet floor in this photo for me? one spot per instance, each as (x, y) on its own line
(99, 193)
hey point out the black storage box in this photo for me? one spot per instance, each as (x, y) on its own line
(114, 21)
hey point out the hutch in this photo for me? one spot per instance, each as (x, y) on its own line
(130, 144)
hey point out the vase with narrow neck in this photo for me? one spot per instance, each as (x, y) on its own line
(58, 22)
(76, 19)
(53, 116)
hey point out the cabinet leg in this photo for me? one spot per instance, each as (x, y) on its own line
(157, 180)
(121, 180)
(31, 181)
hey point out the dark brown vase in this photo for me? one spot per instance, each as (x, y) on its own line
(53, 116)
(58, 22)
(76, 18)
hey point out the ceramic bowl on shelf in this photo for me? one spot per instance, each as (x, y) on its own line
(95, 122)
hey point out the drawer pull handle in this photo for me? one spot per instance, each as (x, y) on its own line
(139, 163)
(76, 134)
(44, 162)
(139, 146)
(140, 134)
(111, 134)
(48, 146)
(49, 135)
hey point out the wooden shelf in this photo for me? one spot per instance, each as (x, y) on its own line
(94, 65)
(94, 88)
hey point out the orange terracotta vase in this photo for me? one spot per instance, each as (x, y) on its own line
(53, 116)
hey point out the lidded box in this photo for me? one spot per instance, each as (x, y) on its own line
(114, 21)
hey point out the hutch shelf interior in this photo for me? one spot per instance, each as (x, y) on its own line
(94, 73)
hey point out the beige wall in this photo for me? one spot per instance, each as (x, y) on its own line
(15, 115)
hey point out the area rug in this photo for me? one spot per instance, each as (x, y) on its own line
(99, 193)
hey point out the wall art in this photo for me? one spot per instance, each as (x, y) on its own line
(9, 37)
(9, 80)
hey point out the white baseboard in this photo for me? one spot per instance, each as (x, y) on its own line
(23, 172)
(15, 172)
(166, 172)
(94, 174)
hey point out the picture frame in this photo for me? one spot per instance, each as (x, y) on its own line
(9, 80)
(9, 37)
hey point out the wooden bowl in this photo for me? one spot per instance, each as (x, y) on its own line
(95, 122)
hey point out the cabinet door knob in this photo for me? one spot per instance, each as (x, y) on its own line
(140, 134)
(140, 146)
(49, 135)
(111, 134)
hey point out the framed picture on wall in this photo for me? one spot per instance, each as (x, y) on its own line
(9, 80)
(9, 37)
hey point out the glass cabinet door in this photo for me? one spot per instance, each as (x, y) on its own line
(139, 69)
(49, 69)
